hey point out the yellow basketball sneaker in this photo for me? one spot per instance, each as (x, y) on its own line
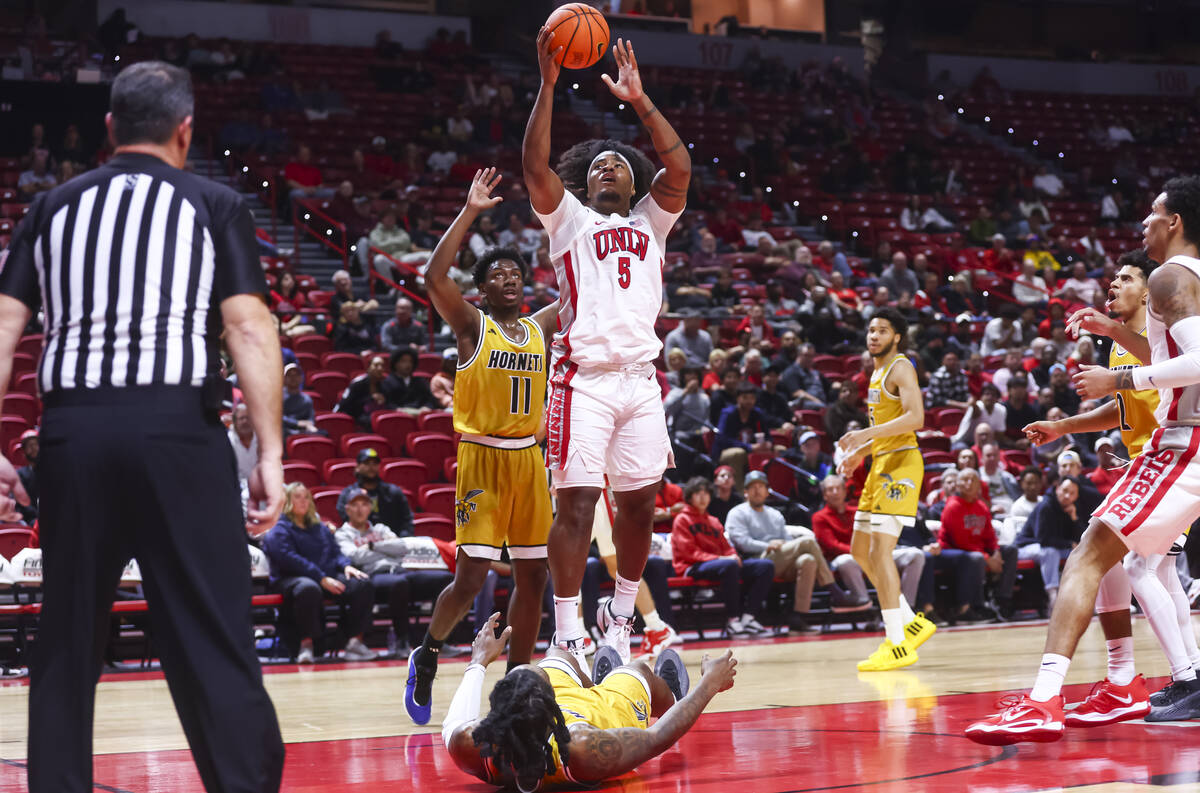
(889, 656)
(918, 631)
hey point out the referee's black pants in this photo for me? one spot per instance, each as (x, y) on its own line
(146, 473)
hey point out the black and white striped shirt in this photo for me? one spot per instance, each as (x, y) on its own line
(129, 264)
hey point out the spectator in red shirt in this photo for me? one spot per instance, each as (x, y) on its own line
(1108, 466)
(699, 549)
(755, 323)
(304, 178)
(667, 504)
(970, 550)
(727, 230)
(718, 362)
(378, 160)
(833, 525)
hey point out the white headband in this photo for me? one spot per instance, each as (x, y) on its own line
(622, 158)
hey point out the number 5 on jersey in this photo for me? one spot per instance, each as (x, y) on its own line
(623, 272)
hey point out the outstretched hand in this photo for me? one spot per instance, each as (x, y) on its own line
(548, 59)
(628, 86)
(720, 671)
(487, 645)
(479, 197)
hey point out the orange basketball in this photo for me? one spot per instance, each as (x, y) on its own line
(582, 33)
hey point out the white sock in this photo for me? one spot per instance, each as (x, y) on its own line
(653, 621)
(906, 612)
(566, 618)
(1183, 609)
(1050, 677)
(893, 625)
(623, 597)
(1159, 609)
(1120, 661)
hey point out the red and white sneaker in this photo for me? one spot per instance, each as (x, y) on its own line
(654, 642)
(1021, 720)
(1108, 703)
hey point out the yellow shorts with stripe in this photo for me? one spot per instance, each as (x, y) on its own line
(892, 490)
(502, 499)
(622, 700)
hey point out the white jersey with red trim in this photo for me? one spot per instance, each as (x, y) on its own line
(609, 270)
(1176, 406)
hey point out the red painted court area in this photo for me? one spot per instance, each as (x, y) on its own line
(910, 742)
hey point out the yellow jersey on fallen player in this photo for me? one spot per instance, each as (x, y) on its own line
(1136, 408)
(501, 390)
(883, 406)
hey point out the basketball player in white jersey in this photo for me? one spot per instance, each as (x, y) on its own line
(608, 215)
(1159, 493)
(1122, 695)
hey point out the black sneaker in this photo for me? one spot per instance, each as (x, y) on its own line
(1182, 703)
(1165, 694)
(605, 660)
(670, 668)
(797, 624)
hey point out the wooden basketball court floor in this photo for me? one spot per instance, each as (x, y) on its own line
(800, 718)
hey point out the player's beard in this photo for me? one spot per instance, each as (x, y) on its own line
(886, 353)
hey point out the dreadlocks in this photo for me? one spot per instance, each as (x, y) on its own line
(573, 166)
(517, 729)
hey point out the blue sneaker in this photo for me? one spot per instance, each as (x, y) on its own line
(670, 668)
(418, 688)
(606, 659)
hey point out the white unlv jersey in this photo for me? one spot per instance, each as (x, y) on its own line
(1175, 405)
(609, 272)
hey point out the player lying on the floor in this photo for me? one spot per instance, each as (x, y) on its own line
(549, 724)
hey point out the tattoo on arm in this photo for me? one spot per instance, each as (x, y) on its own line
(665, 152)
(1125, 380)
(608, 753)
(1171, 296)
(667, 190)
(647, 114)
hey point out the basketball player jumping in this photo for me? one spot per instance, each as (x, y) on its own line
(499, 396)
(608, 215)
(548, 724)
(1122, 694)
(893, 487)
(1158, 495)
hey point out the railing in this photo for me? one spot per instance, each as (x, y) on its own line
(263, 184)
(373, 276)
(300, 224)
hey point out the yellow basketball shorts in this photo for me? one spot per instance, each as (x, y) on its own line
(622, 700)
(501, 499)
(893, 488)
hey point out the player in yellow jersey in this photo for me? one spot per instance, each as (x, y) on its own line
(499, 395)
(893, 487)
(550, 725)
(1122, 694)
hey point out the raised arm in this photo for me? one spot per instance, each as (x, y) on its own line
(604, 754)
(670, 186)
(461, 316)
(545, 188)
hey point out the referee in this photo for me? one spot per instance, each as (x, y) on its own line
(137, 267)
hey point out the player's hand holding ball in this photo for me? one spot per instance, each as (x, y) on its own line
(549, 56)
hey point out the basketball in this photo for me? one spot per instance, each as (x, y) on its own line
(582, 33)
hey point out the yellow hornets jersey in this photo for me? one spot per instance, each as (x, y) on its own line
(501, 390)
(882, 407)
(1136, 407)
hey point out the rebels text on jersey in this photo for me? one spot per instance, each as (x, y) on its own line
(609, 270)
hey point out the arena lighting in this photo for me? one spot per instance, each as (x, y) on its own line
(1035, 142)
(691, 145)
(960, 111)
(265, 184)
(1010, 130)
(1114, 180)
(574, 86)
(987, 119)
(768, 188)
(353, 248)
(307, 216)
(1060, 155)
(985, 294)
(940, 97)
(227, 152)
(621, 106)
(854, 234)
(741, 174)
(824, 218)
(795, 203)
(245, 169)
(716, 159)
(116, 58)
(328, 232)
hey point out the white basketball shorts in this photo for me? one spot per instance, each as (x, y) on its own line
(606, 420)
(1159, 495)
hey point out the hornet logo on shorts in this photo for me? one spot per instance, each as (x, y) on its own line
(465, 506)
(639, 710)
(895, 489)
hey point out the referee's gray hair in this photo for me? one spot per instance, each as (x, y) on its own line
(149, 101)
